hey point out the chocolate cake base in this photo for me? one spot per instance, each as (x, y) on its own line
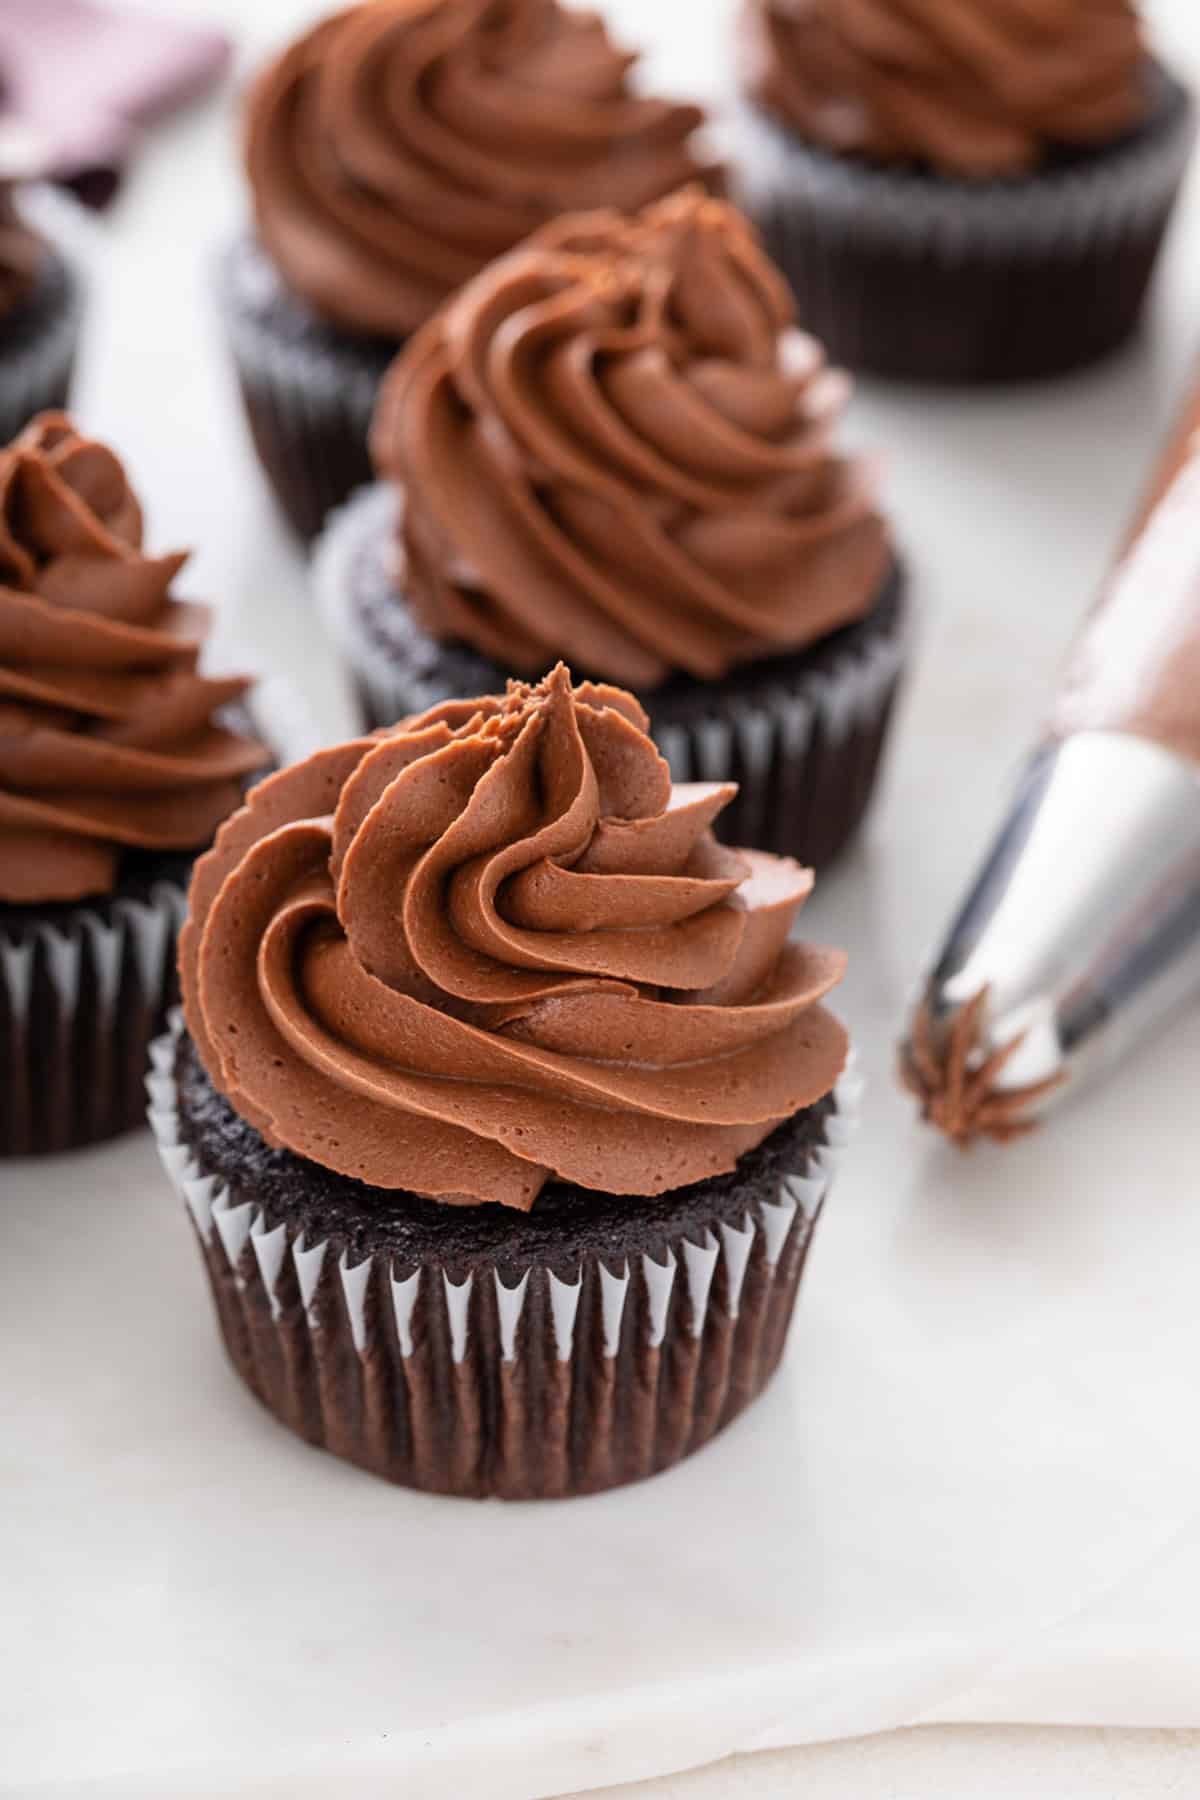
(801, 734)
(480, 1351)
(907, 273)
(308, 389)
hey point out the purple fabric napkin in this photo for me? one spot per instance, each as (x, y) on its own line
(80, 80)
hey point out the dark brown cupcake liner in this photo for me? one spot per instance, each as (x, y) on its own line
(37, 347)
(80, 1003)
(802, 735)
(532, 1382)
(904, 273)
(804, 748)
(86, 988)
(308, 390)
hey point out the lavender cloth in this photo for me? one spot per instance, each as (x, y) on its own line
(80, 80)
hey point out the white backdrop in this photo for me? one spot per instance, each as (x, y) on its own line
(998, 1354)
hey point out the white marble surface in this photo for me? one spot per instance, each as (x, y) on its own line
(973, 1494)
(954, 1763)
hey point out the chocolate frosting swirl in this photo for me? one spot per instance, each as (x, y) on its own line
(612, 449)
(22, 254)
(978, 89)
(107, 734)
(403, 144)
(494, 945)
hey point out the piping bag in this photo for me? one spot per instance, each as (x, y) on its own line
(1081, 931)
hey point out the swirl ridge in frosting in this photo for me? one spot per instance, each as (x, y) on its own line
(613, 448)
(402, 144)
(493, 945)
(108, 739)
(978, 89)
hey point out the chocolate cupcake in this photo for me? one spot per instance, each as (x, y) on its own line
(504, 1108)
(967, 193)
(116, 766)
(41, 304)
(611, 447)
(392, 152)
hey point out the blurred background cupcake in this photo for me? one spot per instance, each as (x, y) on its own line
(82, 84)
(117, 762)
(506, 1107)
(961, 190)
(41, 307)
(612, 447)
(391, 152)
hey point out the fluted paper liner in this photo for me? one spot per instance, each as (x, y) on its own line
(308, 405)
(804, 749)
(805, 756)
(934, 278)
(82, 998)
(38, 341)
(37, 351)
(79, 1003)
(518, 1383)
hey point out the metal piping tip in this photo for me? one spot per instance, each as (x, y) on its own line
(1080, 935)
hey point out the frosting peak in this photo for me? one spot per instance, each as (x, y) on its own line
(612, 447)
(494, 945)
(978, 89)
(107, 732)
(402, 144)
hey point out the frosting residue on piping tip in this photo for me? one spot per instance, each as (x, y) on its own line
(955, 1078)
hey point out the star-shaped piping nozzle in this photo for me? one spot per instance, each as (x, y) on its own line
(955, 1077)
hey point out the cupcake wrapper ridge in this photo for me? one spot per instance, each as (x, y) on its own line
(805, 757)
(82, 1000)
(805, 750)
(904, 274)
(519, 1383)
(79, 1005)
(37, 358)
(308, 406)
